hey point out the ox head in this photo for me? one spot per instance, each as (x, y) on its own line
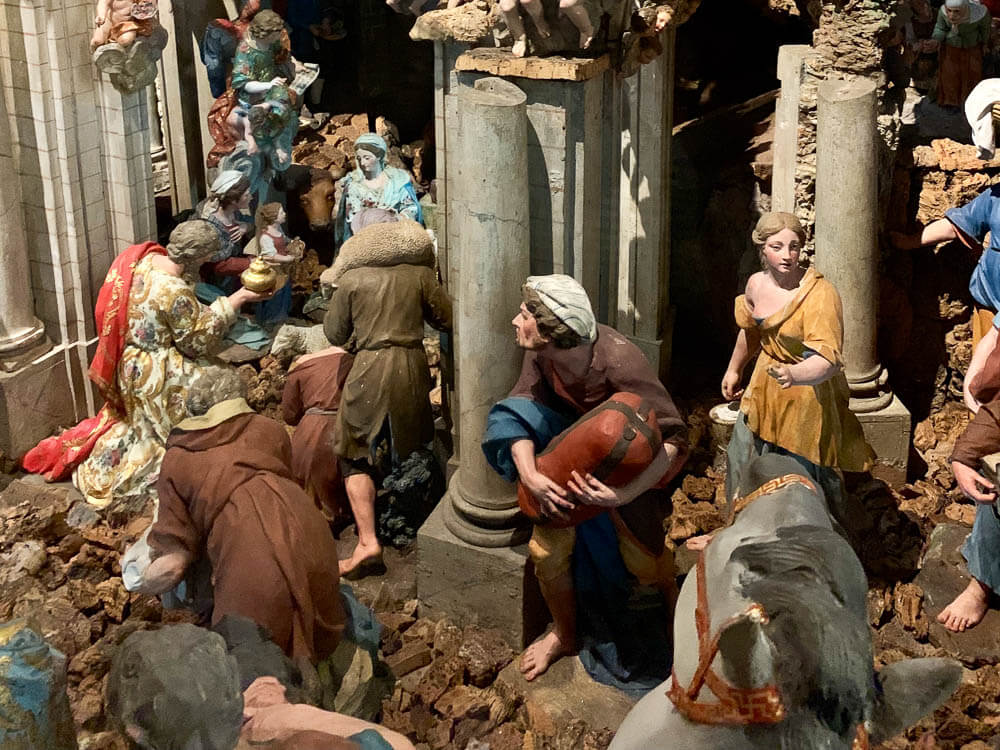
(312, 194)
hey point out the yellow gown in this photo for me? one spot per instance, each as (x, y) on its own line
(812, 421)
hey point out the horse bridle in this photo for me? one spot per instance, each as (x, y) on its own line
(735, 706)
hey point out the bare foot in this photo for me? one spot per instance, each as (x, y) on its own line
(586, 40)
(967, 609)
(520, 46)
(698, 543)
(539, 655)
(363, 560)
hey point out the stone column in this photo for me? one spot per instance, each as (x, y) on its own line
(19, 328)
(467, 567)
(847, 253)
(489, 185)
(786, 126)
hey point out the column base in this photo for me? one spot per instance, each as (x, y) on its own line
(35, 399)
(492, 587)
(887, 430)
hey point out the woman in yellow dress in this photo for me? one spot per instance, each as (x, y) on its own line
(796, 402)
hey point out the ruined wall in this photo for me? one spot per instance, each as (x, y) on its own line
(850, 41)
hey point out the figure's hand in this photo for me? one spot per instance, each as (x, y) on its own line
(237, 232)
(731, 385)
(973, 484)
(590, 490)
(550, 496)
(277, 81)
(783, 375)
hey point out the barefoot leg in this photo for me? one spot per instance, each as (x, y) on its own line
(559, 641)
(534, 9)
(361, 495)
(576, 13)
(967, 609)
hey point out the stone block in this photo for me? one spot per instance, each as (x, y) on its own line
(566, 693)
(888, 432)
(489, 587)
(35, 399)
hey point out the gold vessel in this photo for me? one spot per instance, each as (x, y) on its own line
(259, 277)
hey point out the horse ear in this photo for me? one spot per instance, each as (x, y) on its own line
(747, 653)
(910, 690)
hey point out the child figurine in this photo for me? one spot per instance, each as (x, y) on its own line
(120, 21)
(272, 245)
(574, 10)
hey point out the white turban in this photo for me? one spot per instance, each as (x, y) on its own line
(568, 301)
(226, 181)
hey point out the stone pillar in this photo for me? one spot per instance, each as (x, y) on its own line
(490, 189)
(467, 567)
(20, 330)
(786, 126)
(128, 165)
(847, 253)
(644, 206)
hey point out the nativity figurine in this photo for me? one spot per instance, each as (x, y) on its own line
(127, 42)
(960, 35)
(271, 245)
(797, 400)
(386, 290)
(572, 367)
(155, 339)
(374, 187)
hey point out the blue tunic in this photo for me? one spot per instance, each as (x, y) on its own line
(974, 220)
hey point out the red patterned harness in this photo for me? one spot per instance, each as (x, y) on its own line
(735, 706)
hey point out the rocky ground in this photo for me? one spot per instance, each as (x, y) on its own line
(59, 564)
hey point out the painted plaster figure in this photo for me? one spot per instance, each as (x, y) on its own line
(155, 339)
(374, 185)
(386, 288)
(178, 687)
(310, 402)
(33, 699)
(982, 548)
(272, 245)
(122, 20)
(969, 224)
(226, 208)
(127, 42)
(960, 34)
(797, 399)
(772, 643)
(226, 492)
(574, 10)
(258, 107)
(572, 365)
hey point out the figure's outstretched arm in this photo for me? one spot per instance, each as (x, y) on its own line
(742, 352)
(979, 356)
(936, 232)
(165, 572)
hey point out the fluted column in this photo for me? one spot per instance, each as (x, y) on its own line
(488, 200)
(19, 328)
(846, 227)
